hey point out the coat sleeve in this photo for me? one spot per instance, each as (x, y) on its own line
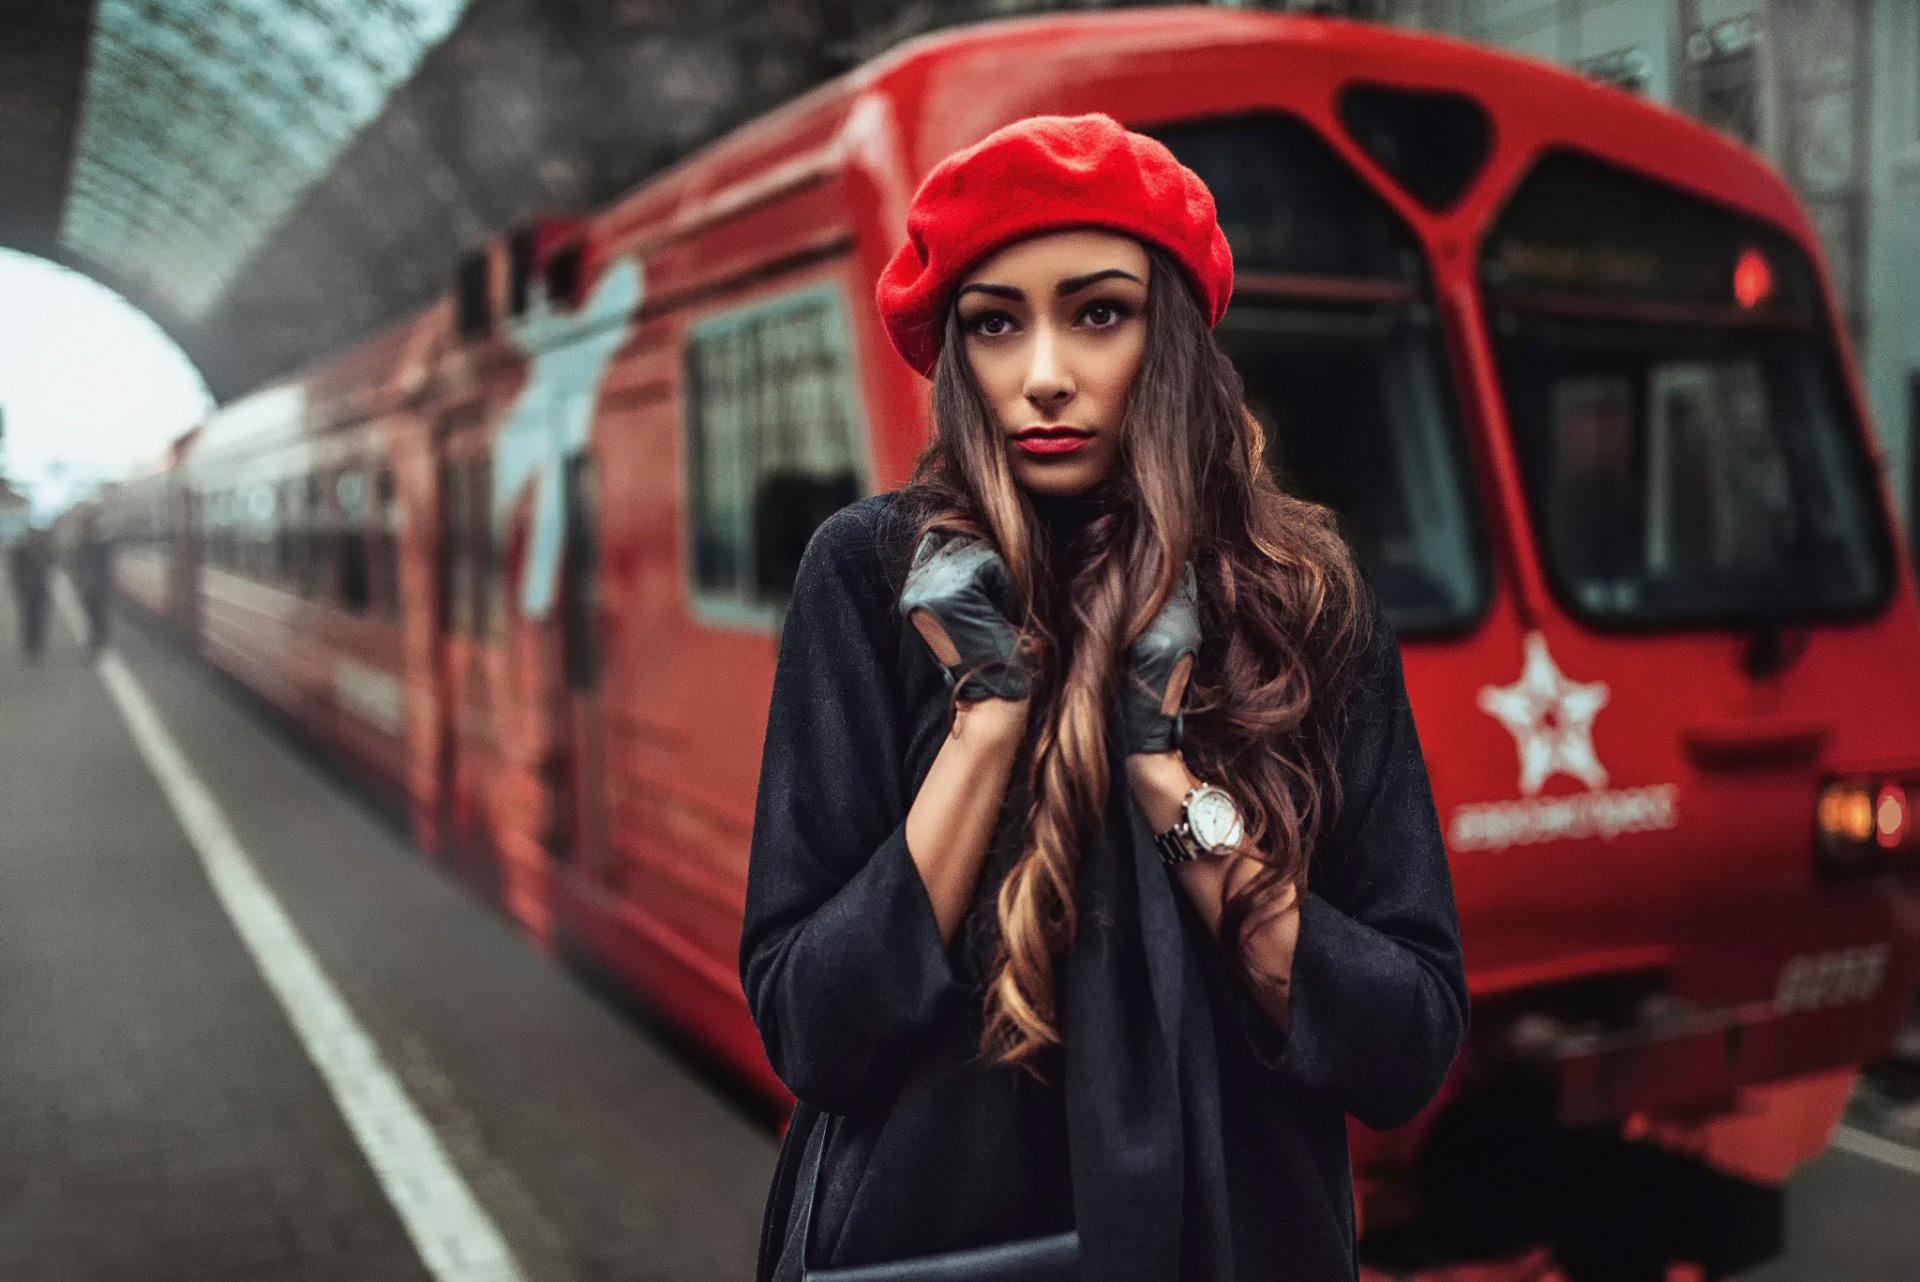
(840, 953)
(1379, 994)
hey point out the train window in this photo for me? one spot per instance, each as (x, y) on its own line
(386, 537)
(229, 523)
(473, 294)
(486, 617)
(1579, 234)
(563, 276)
(1689, 451)
(1289, 205)
(774, 446)
(215, 508)
(352, 584)
(259, 509)
(581, 583)
(209, 528)
(520, 255)
(455, 561)
(241, 524)
(1333, 330)
(286, 546)
(1432, 142)
(186, 522)
(244, 525)
(314, 542)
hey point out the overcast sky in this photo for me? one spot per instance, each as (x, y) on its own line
(90, 387)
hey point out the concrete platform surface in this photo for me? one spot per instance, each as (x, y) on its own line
(160, 1118)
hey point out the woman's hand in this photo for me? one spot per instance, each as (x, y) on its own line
(1158, 781)
(1158, 666)
(959, 597)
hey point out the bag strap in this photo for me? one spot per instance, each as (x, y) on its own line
(793, 1265)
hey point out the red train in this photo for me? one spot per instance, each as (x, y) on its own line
(1565, 362)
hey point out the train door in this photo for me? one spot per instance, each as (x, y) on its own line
(462, 617)
(584, 789)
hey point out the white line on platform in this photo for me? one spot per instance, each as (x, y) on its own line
(455, 1237)
(1870, 1146)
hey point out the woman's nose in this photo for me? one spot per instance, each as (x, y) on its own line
(1049, 384)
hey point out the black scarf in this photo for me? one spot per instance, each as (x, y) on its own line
(1140, 1071)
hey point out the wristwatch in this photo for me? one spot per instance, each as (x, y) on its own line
(1209, 825)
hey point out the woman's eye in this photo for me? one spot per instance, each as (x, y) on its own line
(989, 324)
(1105, 315)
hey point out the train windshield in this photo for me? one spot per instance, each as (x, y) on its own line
(1332, 327)
(1688, 450)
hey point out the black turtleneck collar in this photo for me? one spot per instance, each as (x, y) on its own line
(1064, 516)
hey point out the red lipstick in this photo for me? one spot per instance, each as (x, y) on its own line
(1051, 442)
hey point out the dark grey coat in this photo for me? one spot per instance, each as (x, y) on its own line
(1184, 1136)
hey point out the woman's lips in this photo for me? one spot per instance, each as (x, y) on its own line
(1051, 442)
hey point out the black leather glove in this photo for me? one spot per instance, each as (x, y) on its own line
(966, 588)
(1173, 635)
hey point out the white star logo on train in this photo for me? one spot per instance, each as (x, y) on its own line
(567, 356)
(1551, 719)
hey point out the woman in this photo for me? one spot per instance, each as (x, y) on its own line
(1024, 981)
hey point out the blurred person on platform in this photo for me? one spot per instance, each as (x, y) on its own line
(1095, 878)
(30, 566)
(93, 577)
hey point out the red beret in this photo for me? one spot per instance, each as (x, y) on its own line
(1044, 174)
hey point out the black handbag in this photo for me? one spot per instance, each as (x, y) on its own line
(1055, 1258)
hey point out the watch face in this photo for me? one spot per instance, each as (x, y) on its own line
(1214, 820)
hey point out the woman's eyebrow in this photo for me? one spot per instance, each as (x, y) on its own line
(1074, 284)
(1007, 292)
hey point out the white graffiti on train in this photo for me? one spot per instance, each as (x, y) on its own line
(1551, 719)
(568, 354)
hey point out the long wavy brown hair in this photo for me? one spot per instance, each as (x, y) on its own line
(1280, 595)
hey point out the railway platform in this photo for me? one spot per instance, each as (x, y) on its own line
(251, 1033)
(247, 1032)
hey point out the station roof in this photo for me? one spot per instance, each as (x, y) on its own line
(202, 123)
(271, 179)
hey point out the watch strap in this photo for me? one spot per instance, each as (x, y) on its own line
(1174, 848)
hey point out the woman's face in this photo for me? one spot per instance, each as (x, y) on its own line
(1054, 329)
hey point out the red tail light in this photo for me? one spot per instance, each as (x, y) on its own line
(1890, 816)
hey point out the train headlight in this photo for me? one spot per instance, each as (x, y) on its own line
(1846, 813)
(1866, 825)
